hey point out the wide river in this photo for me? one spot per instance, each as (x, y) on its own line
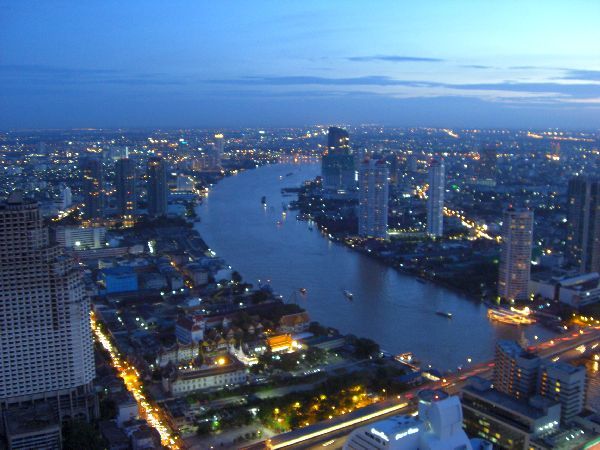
(392, 308)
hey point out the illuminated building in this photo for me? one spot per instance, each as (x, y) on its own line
(157, 187)
(435, 198)
(565, 384)
(80, 238)
(93, 192)
(373, 193)
(583, 222)
(515, 256)
(230, 373)
(437, 426)
(280, 343)
(337, 165)
(503, 420)
(125, 186)
(46, 352)
(515, 370)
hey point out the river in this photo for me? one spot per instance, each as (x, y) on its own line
(389, 307)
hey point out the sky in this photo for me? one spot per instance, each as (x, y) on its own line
(199, 63)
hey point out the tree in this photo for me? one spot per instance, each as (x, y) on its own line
(236, 277)
(79, 434)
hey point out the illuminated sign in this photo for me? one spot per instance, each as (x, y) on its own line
(381, 434)
(406, 433)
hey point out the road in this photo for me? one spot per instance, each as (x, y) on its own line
(321, 434)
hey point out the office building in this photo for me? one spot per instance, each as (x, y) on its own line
(157, 187)
(435, 198)
(515, 370)
(46, 353)
(515, 256)
(437, 426)
(338, 169)
(505, 421)
(373, 199)
(125, 186)
(92, 188)
(64, 200)
(565, 384)
(80, 238)
(486, 169)
(583, 224)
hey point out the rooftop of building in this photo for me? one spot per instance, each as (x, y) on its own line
(514, 350)
(26, 419)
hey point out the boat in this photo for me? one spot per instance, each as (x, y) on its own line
(509, 317)
(349, 295)
(263, 200)
(302, 291)
(444, 314)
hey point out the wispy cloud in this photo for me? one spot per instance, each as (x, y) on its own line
(374, 80)
(586, 75)
(393, 58)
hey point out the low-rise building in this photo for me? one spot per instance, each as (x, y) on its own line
(80, 238)
(294, 323)
(575, 291)
(181, 382)
(190, 329)
(119, 279)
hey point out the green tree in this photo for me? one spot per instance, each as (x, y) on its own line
(79, 434)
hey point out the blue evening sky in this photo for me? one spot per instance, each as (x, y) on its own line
(456, 63)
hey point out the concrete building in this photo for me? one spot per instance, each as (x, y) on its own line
(28, 427)
(437, 426)
(565, 384)
(486, 169)
(373, 199)
(125, 187)
(92, 188)
(183, 381)
(515, 257)
(190, 329)
(578, 291)
(119, 279)
(64, 199)
(46, 352)
(583, 222)
(337, 165)
(515, 370)
(80, 238)
(502, 419)
(435, 198)
(158, 190)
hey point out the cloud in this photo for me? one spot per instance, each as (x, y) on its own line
(393, 58)
(577, 74)
(476, 66)
(373, 80)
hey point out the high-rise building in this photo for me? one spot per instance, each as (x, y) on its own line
(565, 384)
(157, 187)
(583, 222)
(438, 425)
(64, 199)
(373, 199)
(46, 352)
(435, 199)
(486, 170)
(515, 257)
(125, 186)
(337, 169)
(93, 190)
(515, 370)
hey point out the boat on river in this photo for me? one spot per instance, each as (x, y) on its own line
(349, 295)
(510, 317)
(444, 314)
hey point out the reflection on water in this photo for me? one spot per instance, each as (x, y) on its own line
(389, 307)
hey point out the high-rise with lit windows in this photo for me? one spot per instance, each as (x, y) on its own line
(435, 198)
(93, 190)
(373, 199)
(125, 186)
(337, 166)
(46, 353)
(515, 256)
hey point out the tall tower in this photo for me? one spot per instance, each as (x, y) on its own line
(486, 173)
(373, 199)
(583, 221)
(46, 352)
(435, 199)
(515, 258)
(157, 187)
(125, 186)
(337, 165)
(93, 192)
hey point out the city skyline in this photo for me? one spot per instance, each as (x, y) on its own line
(432, 64)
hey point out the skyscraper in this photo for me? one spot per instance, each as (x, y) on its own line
(435, 199)
(46, 352)
(93, 191)
(515, 257)
(125, 186)
(337, 166)
(373, 199)
(583, 222)
(565, 384)
(486, 171)
(157, 187)
(515, 370)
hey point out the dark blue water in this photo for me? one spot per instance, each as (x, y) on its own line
(389, 307)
